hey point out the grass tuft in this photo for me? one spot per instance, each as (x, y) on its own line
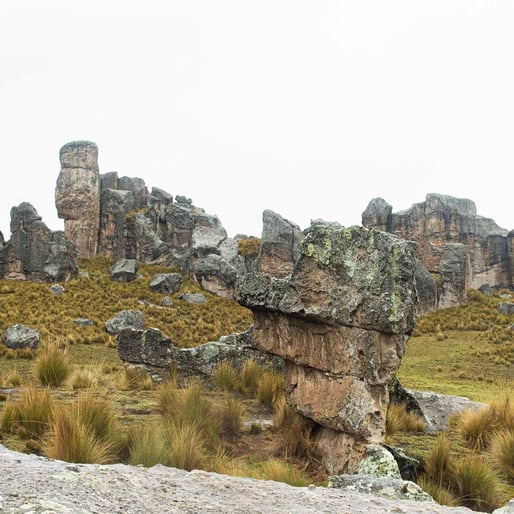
(398, 419)
(270, 387)
(52, 366)
(225, 377)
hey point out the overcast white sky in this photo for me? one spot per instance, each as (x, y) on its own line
(309, 108)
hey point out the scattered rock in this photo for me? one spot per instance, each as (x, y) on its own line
(57, 289)
(193, 298)
(124, 270)
(167, 301)
(84, 322)
(506, 308)
(378, 462)
(20, 336)
(133, 319)
(166, 283)
(506, 509)
(392, 488)
(410, 467)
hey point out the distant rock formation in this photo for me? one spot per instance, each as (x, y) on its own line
(459, 249)
(340, 319)
(34, 252)
(77, 195)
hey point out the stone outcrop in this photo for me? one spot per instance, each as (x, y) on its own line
(34, 252)
(157, 353)
(459, 249)
(77, 195)
(20, 336)
(340, 319)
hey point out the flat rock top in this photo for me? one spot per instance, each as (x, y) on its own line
(36, 484)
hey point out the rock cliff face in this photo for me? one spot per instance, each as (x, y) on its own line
(458, 248)
(77, 195)
(34, 252)
(340, 320)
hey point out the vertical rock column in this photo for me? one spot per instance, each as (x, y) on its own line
(341, 321)
(77, 195)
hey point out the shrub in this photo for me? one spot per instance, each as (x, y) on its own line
(477, 484)
(398, 419)
(270, 387)
(225, 376)
(502, 450)
(52, 366)
(31, 415)
(249, 247)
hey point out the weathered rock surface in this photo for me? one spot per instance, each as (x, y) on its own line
(156, 351)
(166, 283)
(506, 308)
(34, 252)
(134, 319)
(280, 245)
(20, 336)
(77, 195)
(459, 248)
(124, 270)
(340, 319)
(35, 484)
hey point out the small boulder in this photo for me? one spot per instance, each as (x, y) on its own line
(57, 289)
(83, 322)
(193, 298)
(134, 319)
(167, 301)
(378, 462)
(506, 308)
(166, 283)
(124, 270)
(20, 336)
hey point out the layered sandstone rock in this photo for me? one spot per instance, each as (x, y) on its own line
(34, 252)
(459, 248)
(77, 195)
(340, 319)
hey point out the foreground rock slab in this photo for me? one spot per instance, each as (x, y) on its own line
(36, 484)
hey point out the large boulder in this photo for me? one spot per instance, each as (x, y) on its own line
(20, 336)
(77, 195)
(34, 252)
(340, 319)
(166, 283)
(124, 270)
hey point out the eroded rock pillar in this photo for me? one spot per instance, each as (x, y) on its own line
(77, 195)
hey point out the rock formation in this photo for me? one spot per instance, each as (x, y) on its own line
(77, 195)
(458, 248)
(340, 319)
(34, 252)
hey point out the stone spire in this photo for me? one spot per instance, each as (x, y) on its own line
(77, 195)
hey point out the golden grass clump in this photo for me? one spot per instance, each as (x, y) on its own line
(30, 415)
(147, 445)
(270, 387)
(14, 378)
(292, 430)
(477, 484)
(186, 444)
(52, 366)
(440, 493)
(249, 376)
(477, 427)
(279, 471)
(438, 461)
(398, 419)
(231, 415)
(135, 379)
(502, 450)
(225, 377)
(87, 431)
(83, 378)
(249, 247)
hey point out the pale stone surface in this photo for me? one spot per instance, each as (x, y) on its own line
(35, 484)
(77, 195)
